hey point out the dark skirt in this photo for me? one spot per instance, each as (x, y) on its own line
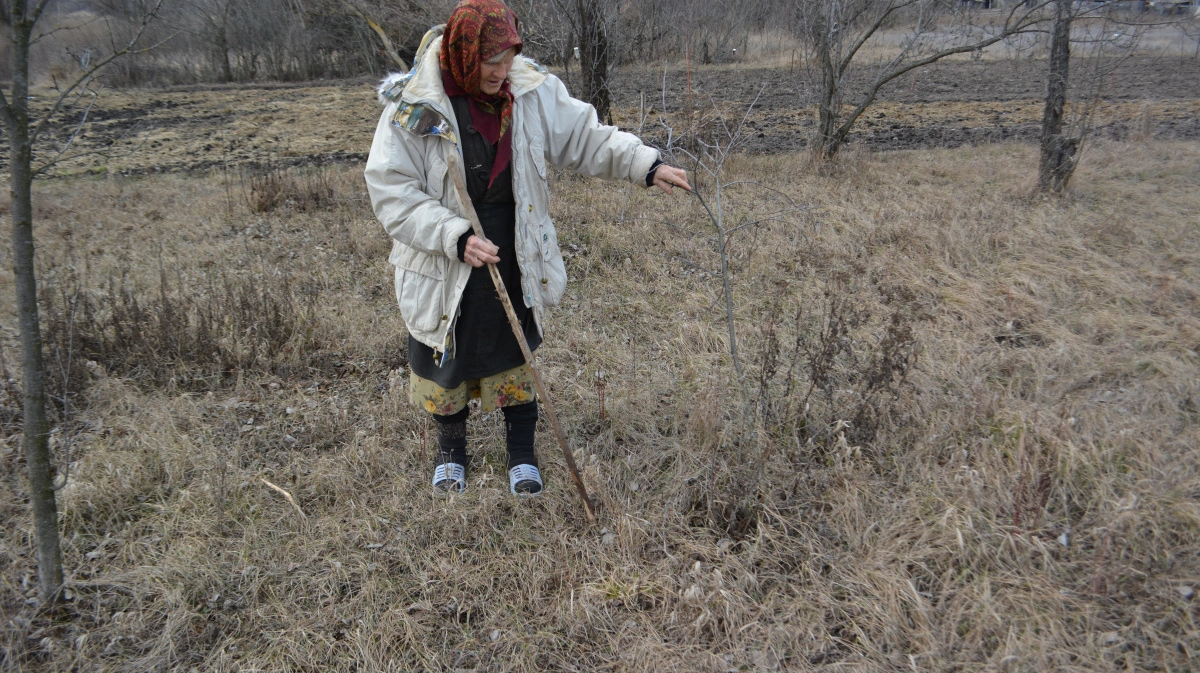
(484, 344)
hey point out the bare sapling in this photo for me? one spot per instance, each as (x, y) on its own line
(25, 128)
(716, 140)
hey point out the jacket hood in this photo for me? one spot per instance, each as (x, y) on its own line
(423, 84)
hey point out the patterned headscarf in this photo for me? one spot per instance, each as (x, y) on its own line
(476, 31)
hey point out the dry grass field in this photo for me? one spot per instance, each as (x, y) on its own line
(975, 447)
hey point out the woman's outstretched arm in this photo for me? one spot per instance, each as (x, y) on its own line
(577, 141)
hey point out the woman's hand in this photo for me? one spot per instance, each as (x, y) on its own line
(480, 252)
(667, 178)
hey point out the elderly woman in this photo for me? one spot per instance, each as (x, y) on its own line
(473, 103)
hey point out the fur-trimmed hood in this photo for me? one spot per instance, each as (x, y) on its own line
(423, 84)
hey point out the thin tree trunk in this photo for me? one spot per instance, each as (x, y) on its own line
(593, 46)
(221, 53)
(568, 54)
(1057, 149)
(37, 447)
(223, 59)
(827, 141)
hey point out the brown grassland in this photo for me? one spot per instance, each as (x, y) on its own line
(978, 415)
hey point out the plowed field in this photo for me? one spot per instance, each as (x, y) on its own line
(198, 128)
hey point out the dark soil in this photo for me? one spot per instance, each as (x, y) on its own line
(949, 104)
(1144, 78)
(779, 94)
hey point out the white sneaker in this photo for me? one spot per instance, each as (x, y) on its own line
(524, 481)
(449, 478)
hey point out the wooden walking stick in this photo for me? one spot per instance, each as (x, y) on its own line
(518, 332)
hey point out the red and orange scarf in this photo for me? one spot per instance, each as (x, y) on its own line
(476, 31)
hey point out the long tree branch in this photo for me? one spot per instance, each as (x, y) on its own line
(59, 29)
(45, 120)
(760, 185)
(37, 12)
(105, 152)
(875, 26)
(383, 37)
(731, 231)
(891, 74)
(156, 45)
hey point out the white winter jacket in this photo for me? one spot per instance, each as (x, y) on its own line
(419, 207)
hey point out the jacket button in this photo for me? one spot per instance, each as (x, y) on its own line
(482, 175)
(531, 207)
(445, 317)
(544, 281)
(545, 237)
(472, 130)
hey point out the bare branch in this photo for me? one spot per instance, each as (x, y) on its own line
(46, 166)
(870, 32)
(156, 45)
(37, 12)
(383, 37)
(59, 29)
(730, 232)
(129, 47)
(897, 70)
(287, 496)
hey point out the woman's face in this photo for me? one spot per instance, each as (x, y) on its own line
(493, 71)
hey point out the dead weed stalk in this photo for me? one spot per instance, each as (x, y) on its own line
(193, 332)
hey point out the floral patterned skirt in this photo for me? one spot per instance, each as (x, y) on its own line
(506, 389)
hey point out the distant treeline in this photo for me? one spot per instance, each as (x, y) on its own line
(300, 40)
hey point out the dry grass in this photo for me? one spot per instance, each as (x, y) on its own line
(139, 131)
(1053, 395)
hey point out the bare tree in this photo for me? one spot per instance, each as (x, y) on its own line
(24, 131)
(1106, 38)
(213, 19)
(731, 209)
(588, 23)
(1057, 151)
(842, 38)
(403, 23)
(594, 55)
(544, 30)
(286, 40)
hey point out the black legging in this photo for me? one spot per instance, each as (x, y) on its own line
(520, 423)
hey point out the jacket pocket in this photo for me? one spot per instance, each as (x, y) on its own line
(435, 177)
(411, 259)
(420, 300)
(419, 280)
(538, 155)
